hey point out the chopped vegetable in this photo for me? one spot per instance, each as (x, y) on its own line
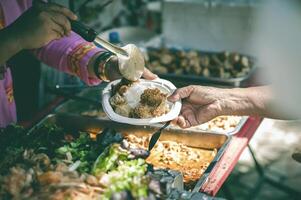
(118, 173)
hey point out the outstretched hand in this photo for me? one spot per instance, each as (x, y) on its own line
(200, 104)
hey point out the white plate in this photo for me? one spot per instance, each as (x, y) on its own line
(164, 85)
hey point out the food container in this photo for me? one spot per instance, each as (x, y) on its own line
(83, 108)
(186, 76)
(193, 139)
(86, 110)
(163, 85)
(237, 126)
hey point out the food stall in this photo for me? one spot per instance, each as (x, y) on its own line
(72, 149)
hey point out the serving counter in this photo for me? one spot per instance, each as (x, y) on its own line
(215, 175)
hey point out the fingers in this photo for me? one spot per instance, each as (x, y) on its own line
(192, 116)
(188, 112)
(187, 117)
(147, 74)
(181, 93)
(57, 31)
(64, 11)
(207, 113)
(181, 122)
(62, 21)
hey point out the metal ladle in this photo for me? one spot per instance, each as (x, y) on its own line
(91, 35)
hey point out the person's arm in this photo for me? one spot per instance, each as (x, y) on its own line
(72, 55)
(8, 45)
(201, 104)
(34, 29)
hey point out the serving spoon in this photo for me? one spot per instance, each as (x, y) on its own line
(91, 35)
(155, 137)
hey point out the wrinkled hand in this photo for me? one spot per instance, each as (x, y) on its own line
(200, 104)
(41, 24)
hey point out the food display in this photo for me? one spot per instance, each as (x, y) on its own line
(51, 162)
(131, 99)
(191, 162)
(223, 65)
(221, 124)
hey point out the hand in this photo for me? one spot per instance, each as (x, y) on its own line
(200, 104)
(41, 24)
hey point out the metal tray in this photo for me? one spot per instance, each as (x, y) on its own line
(187, 79)
(83, 108)
(74, 107)
(193, 139)
(232, 132)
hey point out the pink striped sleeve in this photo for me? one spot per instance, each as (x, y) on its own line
(71, 55)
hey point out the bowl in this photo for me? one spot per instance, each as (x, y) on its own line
(163, 85)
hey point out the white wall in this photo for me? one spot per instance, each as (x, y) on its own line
(208, 25)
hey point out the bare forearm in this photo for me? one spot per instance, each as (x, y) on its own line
(254, 101)
(9, 45)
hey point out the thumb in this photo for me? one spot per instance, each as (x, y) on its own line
(147, 74)
(181, 93)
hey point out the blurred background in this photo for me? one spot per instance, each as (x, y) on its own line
(215, 39)
(210, 25)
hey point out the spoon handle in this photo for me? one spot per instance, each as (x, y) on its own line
(90, 35)
(110, 47)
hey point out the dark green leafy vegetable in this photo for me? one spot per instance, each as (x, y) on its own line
(86, 150)
(114, 167)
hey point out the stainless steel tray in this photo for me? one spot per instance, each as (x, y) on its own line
(83, 108)
(78, 108)
(193, 139)
(232, 132)
(188, 79)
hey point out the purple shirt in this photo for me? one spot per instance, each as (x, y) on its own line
(70, 54)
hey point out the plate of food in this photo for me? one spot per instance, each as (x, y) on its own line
(142, 102)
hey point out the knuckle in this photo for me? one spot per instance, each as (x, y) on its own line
(65, 10)
(43, 15)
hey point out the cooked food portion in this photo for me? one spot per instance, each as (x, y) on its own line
(152, 97)
(192, 162)
(73, 165)
(152, 104)
(136, 101)
(220, 124)
(223, 65)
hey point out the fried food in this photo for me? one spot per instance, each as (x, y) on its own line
(153, 97)
(131, 100)
(220, 124)
(223, 65)
(192, 162)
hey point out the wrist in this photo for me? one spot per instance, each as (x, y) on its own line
(238, 101)
(14, 38)
(92, 64)
(9, 45)
(260, 99)
(97, 66)
(246, 101)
